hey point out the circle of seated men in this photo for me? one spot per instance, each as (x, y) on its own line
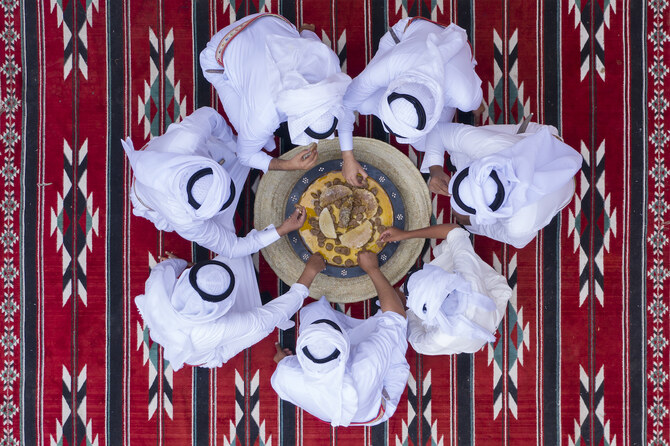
(509, 182)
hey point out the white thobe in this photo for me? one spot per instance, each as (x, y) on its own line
(455, 254)
(213, 342)
(454, 71)
(466, 143)
(376, 369)
(203, 133)
(251, 80)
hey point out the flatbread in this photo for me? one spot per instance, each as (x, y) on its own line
(357, 237)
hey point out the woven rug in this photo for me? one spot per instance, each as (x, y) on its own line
(581, 357)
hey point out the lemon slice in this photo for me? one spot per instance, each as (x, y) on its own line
(358, 236)
(326, 224)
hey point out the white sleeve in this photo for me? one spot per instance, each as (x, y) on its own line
(433, 150)
(250, 153)
(397, 374)
(236, 331)
(498, 231)
(225, 242)
(251, 326)
(345, 130)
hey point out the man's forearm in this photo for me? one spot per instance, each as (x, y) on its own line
(435, 231)
(307, 277)
(388, 299)
(278, 164)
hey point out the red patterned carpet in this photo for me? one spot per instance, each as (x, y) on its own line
(581, 357)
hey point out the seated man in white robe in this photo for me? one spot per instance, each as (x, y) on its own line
(457, 301)
(265, 73)
(346, 371)
(509, 185)
(421, 73)
(206, 314)
(189, 180)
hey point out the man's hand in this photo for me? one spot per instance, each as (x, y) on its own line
(478, 113)
(439, 181)
(304, 160)
(293, 222)
(281, 353)
(388, 299)
(316, 264)
(367, 261)
(392, 234)
(461, 219)
(352, 168)
(167, 255)
(308, 27)
(170, 255)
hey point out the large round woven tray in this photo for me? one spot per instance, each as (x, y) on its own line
(273, 194)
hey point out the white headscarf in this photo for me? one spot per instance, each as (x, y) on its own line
(440, 299)
(433, 102)
(170, 172)
(170, 307)
(535, 166)
(440, 48)
(321, 340)
(304, 98)
(189, 303)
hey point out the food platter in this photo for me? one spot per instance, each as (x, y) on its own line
(279, 191)
(391, 213)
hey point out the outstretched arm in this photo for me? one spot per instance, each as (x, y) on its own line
(302, 161)
(388, 298)
(214, 236)
(394, 234)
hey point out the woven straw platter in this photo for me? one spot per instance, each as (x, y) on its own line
(273, 195)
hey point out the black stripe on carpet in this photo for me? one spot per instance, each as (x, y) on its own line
(29, 165)
(637, 231)
(115, 214)
(550, 287)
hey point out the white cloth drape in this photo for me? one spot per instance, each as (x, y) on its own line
(465, 322)
(209, 334)
(266, 58)
(202, 139)
(440, 58)
(375, 366)
(538, 168)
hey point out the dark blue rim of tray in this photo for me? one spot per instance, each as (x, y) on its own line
(397, 205)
